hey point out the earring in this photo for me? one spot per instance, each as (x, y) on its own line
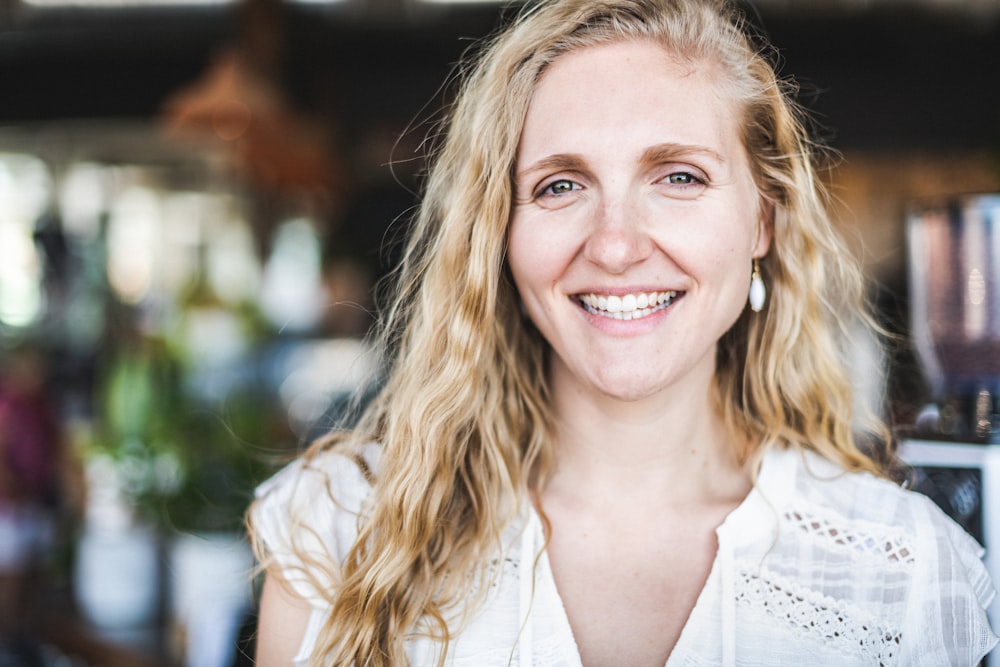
(758, 293)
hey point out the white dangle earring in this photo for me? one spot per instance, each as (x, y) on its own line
(758, 293)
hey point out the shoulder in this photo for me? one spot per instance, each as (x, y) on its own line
(345, 476)
(865, 501)
(870, 512)
(860, 496)
(896, 555)
(306, 516)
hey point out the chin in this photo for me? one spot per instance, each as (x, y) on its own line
(628, 390)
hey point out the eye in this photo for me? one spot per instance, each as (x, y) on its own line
(557, 193)
(682, 181)
(560, 187)
(683, 178)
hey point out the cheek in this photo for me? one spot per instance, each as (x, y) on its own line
(534, 258)
(732, 264)
(705, 252)
(519, 256)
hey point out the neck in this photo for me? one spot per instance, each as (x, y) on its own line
(672, 447)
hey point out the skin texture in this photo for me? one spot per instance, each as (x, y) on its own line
(282, 624)
(632, 147)
(631, 179)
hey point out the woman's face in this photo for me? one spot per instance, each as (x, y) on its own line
(635, 219)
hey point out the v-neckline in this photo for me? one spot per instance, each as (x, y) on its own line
(727, 533)
(545, 579)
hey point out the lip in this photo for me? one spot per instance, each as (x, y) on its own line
(622, 291)
(626, 309)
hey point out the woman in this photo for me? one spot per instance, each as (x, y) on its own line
(591, 449)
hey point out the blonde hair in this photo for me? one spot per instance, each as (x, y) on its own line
(463, 419)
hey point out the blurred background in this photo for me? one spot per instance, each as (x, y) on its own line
(196, 200)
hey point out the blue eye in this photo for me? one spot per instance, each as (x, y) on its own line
(560, 187)
(682, 178)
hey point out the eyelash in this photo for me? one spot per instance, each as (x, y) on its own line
(548, 190)
(692, 179)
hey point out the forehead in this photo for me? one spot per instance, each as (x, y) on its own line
(638, 85)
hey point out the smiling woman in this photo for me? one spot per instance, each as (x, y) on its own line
(631, 179)
(589, 448)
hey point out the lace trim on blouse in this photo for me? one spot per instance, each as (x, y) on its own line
(847, 626)
(876, 543)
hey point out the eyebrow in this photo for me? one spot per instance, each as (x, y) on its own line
(652, 155)
(559, 162)
(671, 151)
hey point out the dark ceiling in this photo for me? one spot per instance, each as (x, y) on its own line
(879, 76)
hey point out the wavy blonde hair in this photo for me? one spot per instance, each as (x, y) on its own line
(463, 419)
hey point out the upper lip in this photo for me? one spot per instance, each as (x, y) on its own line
(622, 291)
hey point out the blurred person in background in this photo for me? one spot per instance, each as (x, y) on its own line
(619, 423)
(31, 466)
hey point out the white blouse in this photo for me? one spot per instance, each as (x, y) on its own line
(815, 566)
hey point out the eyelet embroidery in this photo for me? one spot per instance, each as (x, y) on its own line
(891, 548)
(850, 629)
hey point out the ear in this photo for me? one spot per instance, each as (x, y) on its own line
(765, 230)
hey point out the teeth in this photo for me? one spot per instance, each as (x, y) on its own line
(629, 306)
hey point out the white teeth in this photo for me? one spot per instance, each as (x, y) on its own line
(629, 306)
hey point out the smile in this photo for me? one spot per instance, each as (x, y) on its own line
(627, 306)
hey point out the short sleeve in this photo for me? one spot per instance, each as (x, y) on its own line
(306, 517)
(949, 623)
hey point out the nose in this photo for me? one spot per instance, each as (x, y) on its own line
(618, 238)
